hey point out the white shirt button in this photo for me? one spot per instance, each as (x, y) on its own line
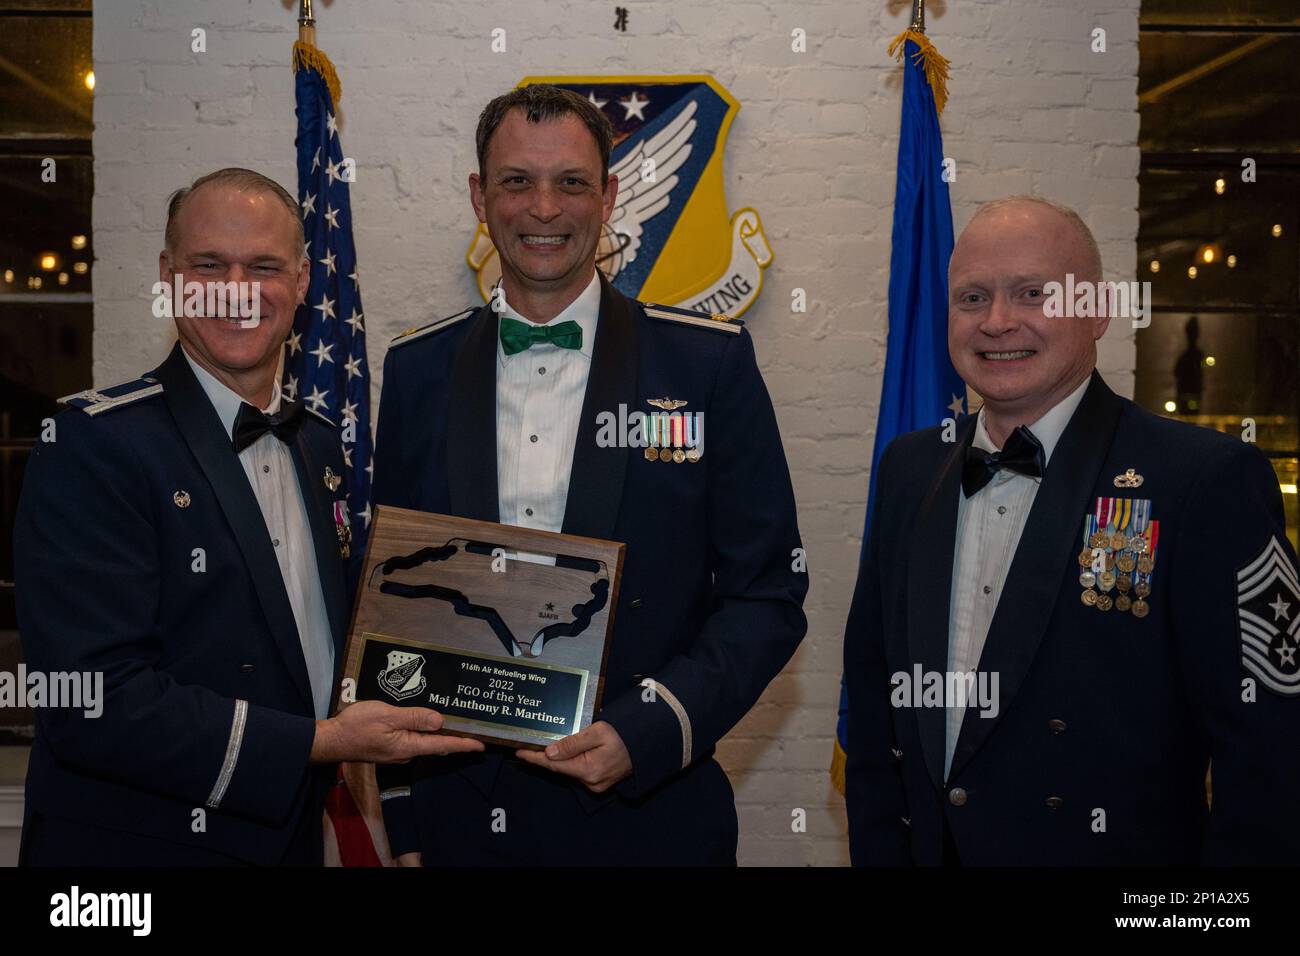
(1002, 509)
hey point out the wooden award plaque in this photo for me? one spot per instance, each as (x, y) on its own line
(504, 631)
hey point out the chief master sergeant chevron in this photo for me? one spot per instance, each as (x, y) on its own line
(179, 536)
(495, 416)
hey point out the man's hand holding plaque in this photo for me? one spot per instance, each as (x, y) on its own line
(375, 732)
(596, 756)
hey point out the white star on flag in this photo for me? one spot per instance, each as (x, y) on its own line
(365, 512)
(634, 106)
(316, 399)
(291, 387)
(321, 348)
(595, 102)
(322, 353)
(955, 405)
(326, 307)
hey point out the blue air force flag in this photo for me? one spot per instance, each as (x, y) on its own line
(921, 388)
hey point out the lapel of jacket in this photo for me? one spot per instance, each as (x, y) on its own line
(929, 588)
(1047, 545)
(471, 453)
(210, 444)
(596, 476)
(319, 502)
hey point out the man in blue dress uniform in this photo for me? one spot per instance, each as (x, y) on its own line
(496, 414)
(183, 536)
(1068, 608)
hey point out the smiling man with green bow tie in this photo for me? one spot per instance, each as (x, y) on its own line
(493, 414)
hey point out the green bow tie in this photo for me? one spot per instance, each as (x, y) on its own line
(519, 336)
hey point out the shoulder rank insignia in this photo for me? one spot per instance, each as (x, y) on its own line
(92, 401)
(717, 321)
(1267, 589)
(323, 417)
(419, 331)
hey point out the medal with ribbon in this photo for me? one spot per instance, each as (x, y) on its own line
(343, 527)
(1118, 555)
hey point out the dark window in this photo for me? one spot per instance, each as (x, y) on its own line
(46, 252)
(1217, 97)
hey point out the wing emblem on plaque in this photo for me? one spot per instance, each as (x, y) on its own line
(402, 678)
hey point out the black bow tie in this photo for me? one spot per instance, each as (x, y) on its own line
(251, 424)
(1023, 453)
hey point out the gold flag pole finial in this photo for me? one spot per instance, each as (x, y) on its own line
(306, 23)
(918, 15)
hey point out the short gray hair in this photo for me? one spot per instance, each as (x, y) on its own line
(1074, 220)
(236, 178)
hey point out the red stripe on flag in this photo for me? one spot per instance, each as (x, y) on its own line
(350, 830)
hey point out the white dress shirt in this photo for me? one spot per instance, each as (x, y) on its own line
(539, 404)
(274, 480)
(989, 525)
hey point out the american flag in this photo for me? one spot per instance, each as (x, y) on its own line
(326, 361)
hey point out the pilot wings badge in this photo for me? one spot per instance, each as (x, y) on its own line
(403, 676)
(667, 404)
(669, 239)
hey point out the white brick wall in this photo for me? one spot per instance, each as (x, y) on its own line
(813, 149)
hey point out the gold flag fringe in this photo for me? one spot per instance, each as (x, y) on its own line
(310, 57)
(935, 66)
(839, 761)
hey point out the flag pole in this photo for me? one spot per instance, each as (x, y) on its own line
(306, 54)
(306, 23)
(934, 65)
